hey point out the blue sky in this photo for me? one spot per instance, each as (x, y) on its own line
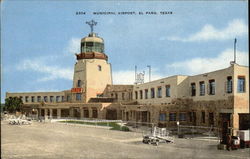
(39, 39)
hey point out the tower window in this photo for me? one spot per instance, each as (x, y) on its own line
(229, 85)
(79, 83)
(78, 96)
(241, 84)
(99, 68)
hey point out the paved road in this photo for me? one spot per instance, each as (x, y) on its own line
(52, 141)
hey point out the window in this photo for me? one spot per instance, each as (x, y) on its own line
(62, 98)
(162, 117)
(123, 96)
(211, 118)
(51, 98)
(172, 116)
(159, 92)
(68, 98)
(45, 99)
(193, 89)
(57, 98)
(116, 96)
(26, 98)
(182, 116)
(32, 99)
(211, 87)
(190, 116)
(38, 98)
(152, 93)
(79, 83)
(89, 43)
(78, 96)
(94, 113)
(136, 95)
(99, 68)
(203, 117)
(141, 94)
(202, 88)
(146, 93)
(241, 84)
(168, 91)
(229, 85)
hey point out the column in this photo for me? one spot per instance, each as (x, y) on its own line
(46, 114)
(122, 114)
(90, 112)
(51, 113)
(99, 116)
(71, 112)
(58, 113)
(148, 118)
(235, 123)
(81, 113)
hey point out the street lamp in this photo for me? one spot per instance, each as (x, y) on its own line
(178, 123)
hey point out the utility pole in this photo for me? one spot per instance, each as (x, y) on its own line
(135, 74)
(235, 41)
(149, 72)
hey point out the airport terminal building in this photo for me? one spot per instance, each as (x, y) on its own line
(202, 100)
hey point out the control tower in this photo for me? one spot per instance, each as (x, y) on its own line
(92, 71)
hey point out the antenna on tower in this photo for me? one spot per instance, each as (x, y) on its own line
(234, 61)
(92, 23)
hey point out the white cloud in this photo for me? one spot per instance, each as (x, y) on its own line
(73, 45)
(202, 65)
(128, 77)
(235, 28)
(51, 72)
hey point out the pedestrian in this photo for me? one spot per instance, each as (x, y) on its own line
(229, 142)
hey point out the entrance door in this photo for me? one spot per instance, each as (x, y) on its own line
(144, 116)
(244, 121)
(76, 112)
(42, 112)
(111, 114)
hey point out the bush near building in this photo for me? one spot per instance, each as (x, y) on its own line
(13, 104)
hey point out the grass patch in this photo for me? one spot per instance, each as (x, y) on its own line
(114, 125)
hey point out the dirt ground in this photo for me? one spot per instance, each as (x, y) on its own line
(61, 141)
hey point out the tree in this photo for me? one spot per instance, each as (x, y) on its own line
(13, 104)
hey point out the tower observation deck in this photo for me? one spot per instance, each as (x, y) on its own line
(92, 46)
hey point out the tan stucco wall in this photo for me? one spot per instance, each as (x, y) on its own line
(173, 81)
(96, 80)
(35, 95)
